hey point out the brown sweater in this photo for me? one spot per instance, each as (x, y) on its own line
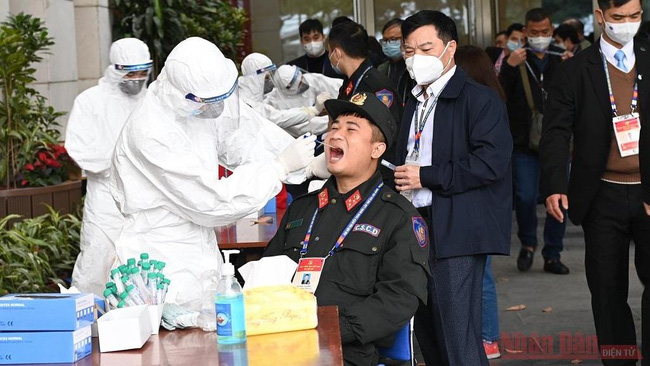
(618, 169)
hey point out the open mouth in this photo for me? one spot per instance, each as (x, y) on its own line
(336, 154)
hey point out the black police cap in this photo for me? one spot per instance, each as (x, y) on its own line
(370, 107)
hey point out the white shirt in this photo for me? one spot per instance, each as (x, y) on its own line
(609, 51)
(423, 197)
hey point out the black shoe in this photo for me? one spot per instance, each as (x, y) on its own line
(555, 266)
(525, 260)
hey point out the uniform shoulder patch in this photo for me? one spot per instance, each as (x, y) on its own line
(385, 96)
(421, 231)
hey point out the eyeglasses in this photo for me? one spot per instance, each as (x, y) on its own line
(385, 41)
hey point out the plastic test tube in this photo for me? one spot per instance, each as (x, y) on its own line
(160, 266)
(146, 268)
(144, 258)
(119, 286)
(121, 304)
(130, 262)
(151, 283)
(124, 296)
(166, 283)
(159, 293)
(126, 280)
(111, 286)
(112, 300)
(139, 284)
(135, 295)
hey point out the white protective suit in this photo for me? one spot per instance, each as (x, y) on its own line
(256, 68)
(166, 168)
(289, 80)
(95, 122)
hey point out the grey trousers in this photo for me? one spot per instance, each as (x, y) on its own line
(448, 328)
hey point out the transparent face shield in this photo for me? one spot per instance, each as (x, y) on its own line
(222, 107)
(135, 77)
(290, 84)
(267, 72)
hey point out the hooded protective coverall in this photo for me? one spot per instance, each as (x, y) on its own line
(256, 69)
(165, 167)
(290, 82)
(95, 122)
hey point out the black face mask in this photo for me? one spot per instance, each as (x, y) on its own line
(303, 87)
(132, 87)
(268, 86)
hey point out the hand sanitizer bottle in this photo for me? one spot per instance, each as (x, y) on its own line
(229, 304)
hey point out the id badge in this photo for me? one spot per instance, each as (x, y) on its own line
(627, 130)
(412, 158)
(308, 273)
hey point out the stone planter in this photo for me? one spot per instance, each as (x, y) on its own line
(30, 202)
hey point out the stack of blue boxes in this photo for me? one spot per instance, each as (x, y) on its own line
(45, 328)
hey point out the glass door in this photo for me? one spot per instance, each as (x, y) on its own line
(459, 10)
(294, 12)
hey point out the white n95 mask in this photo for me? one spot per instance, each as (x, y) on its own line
(426, 69)
(622, 32)
(314, 49)
(540, 43)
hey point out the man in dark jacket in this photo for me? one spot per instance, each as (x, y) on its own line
(591, 98)
(395, 68)
(374, 242)
(315, 59)
(454, 162)
(348, 46)
(538, 60)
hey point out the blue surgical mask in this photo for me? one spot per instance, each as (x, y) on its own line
(392, 49)
(513, 46)
(335, 68)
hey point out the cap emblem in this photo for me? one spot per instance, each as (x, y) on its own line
(358, 99)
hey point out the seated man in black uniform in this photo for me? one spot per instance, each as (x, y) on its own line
(374, 242)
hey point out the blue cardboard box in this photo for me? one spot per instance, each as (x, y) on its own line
(46, 312)
(45, 347)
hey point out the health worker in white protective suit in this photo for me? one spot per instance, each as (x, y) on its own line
(95, 122)
(295, 88)
(257, 70)
(165, 166)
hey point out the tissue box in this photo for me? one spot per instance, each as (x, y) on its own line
(273, 309)
(289, 349)
(126, 328)
(45, 347)
(46, 312)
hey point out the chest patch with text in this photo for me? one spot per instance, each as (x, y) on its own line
(368, 229)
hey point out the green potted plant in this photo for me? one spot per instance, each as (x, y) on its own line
(38, 253)
(30, 154)
(162, 24)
